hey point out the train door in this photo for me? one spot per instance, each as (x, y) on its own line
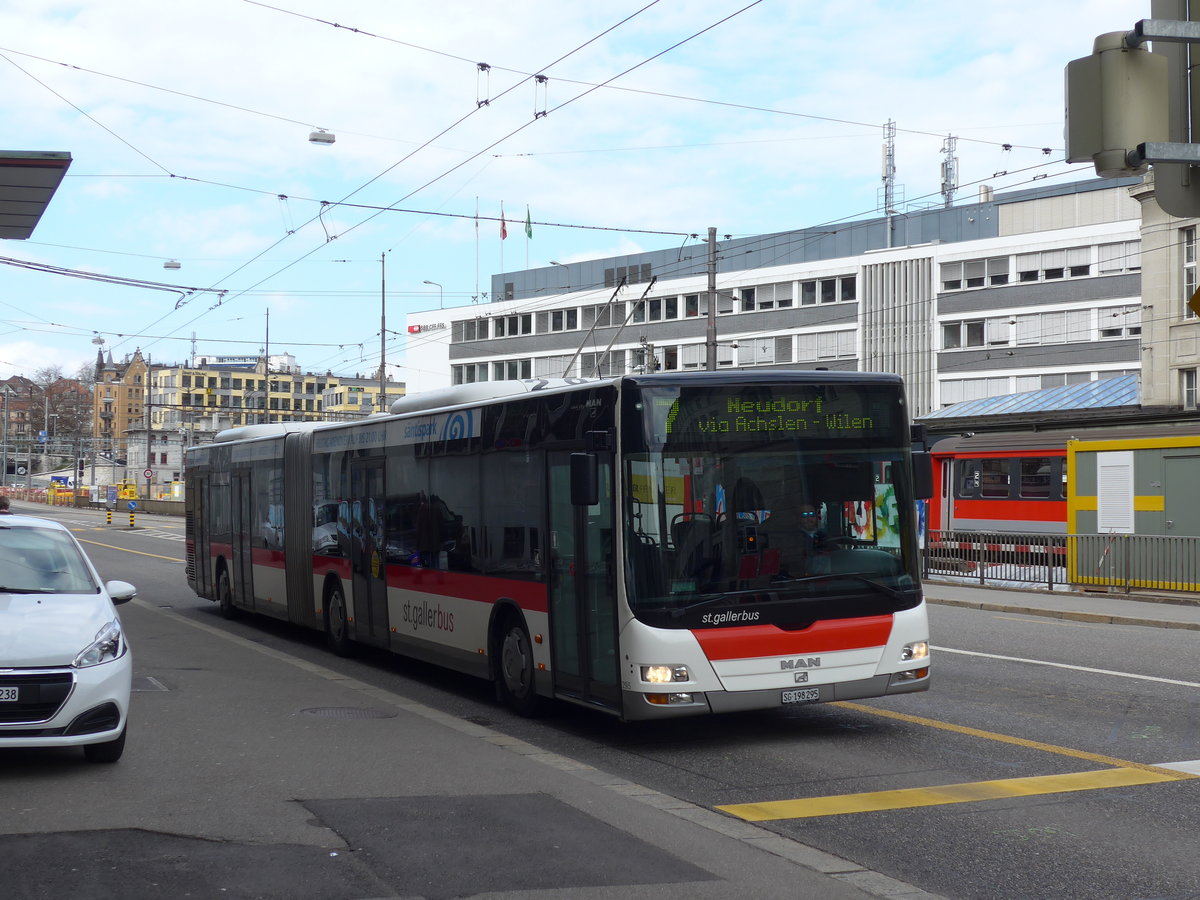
(243, 527)
(368, 552)
(583, 619)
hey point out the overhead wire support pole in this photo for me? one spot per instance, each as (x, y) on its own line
(710, 338)
(382, 331)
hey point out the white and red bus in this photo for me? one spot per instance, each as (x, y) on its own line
(651, 546)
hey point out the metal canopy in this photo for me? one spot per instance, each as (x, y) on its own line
(1111, 393)
(27, 182)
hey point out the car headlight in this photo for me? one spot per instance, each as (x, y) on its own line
(108, 645)
(914, 651)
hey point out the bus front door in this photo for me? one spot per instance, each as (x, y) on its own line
(583, 619)
(368, 552)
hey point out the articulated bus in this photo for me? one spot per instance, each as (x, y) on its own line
(651, 546)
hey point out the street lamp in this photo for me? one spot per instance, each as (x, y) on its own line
(440, 294)
(566, 274)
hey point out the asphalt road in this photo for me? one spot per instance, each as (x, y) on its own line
(1052, 758)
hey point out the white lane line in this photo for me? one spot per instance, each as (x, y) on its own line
(1042, 662)
(1192, 766)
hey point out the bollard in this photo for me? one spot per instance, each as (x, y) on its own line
(131, 520)
(108, 517)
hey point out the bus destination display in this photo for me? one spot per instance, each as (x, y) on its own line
(778, 415)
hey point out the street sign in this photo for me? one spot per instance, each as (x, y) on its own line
(149, 473)
(132, 505)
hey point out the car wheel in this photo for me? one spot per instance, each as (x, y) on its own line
(337, 628)
(107, 752)
(515, 675)
(225, 595)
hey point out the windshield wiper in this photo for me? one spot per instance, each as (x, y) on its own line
(4, 589)
(864, 578)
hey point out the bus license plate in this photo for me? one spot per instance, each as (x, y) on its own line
(9, 693)
(802, 695)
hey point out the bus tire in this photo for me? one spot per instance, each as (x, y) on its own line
(225, 594)
(515, 668)
(337, 626)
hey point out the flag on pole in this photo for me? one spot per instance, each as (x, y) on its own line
(503, 224)
(528, 224)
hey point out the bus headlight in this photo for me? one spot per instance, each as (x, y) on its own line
(915, 650)
(664, 674)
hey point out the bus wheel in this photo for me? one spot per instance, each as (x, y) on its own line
(337, 629)
(516, 668)
(225, 595)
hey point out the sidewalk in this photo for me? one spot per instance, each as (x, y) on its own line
(1079, 606)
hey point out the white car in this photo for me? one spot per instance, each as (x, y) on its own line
(65, 665)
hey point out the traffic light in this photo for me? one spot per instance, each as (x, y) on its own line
(79, 476)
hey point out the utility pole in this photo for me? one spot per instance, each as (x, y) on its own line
(382, 332)
(710, 339)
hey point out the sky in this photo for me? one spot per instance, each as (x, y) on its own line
(617, 126)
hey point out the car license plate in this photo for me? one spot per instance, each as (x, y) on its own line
(9, 693)
(802, 695)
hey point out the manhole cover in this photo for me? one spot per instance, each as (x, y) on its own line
(348, 712)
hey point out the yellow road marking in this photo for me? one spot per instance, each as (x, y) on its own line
(1006, 739)
(908, 798)
(1124, 773)
(127, 550)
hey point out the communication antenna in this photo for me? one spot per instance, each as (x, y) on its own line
(949, 170)
(889, 168)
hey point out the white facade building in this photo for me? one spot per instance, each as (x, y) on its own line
(1017, 292)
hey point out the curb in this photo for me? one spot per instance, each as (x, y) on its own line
(1069, 615)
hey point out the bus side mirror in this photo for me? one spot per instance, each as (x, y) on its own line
(585, 479)
(922, 467)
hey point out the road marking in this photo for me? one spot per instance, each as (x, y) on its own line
(910, 798)
(1041, 662)
(1003, 738)
(127, 550)
(1123, 773)
(1191, 765)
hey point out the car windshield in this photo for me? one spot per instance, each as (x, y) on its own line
(42, 561)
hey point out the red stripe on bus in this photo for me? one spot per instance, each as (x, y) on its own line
(528, 595)
(748, 641)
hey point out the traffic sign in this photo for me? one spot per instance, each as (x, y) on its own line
(149, 473)
(132, 505)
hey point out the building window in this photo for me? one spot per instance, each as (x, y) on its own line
(1188, 236)
(956, 335)
(1187, 388)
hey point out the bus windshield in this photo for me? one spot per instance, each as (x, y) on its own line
(778, 504)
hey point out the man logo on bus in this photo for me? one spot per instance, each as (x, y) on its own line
(803, 662)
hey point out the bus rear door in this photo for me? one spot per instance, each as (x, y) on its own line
(368, 552)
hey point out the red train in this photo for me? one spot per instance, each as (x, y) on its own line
(1004, 482)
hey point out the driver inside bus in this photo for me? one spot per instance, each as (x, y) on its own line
(796, 532)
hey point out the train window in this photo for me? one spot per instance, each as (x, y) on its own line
(994, 478)
(1036, 473)
(968, 477)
